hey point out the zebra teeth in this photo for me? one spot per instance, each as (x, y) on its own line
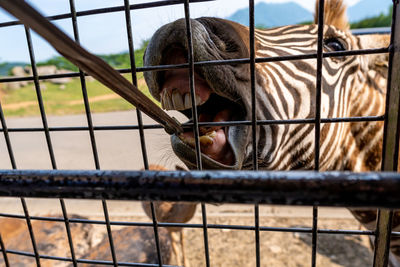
(166, 101)
(188, 101)
(206, 140)
(211, 134)
(176, 101)
(188, 140)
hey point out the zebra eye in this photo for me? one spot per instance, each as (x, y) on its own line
(334, 44)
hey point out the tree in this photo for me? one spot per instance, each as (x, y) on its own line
(381, 20)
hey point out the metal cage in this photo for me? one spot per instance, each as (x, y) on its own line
(370, 190)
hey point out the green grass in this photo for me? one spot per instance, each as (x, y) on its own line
(57, 101)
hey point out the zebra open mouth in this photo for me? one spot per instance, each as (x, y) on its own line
(211, 107)
(221, 90)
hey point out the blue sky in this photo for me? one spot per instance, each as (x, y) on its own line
(106, 33)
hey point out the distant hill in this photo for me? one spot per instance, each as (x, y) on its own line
(7, 66)
(273, 14)
(278, 14)
(368, 8)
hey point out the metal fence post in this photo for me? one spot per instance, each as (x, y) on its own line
(390, 138)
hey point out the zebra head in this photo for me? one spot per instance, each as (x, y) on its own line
(284, 90)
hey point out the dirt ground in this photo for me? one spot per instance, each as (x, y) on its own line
(279, 249)
(227, 247)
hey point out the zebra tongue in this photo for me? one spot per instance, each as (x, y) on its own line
(213, 140)
(213, 144)
(219, 149)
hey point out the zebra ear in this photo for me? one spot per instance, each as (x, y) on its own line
(378, 62)
(334, 14)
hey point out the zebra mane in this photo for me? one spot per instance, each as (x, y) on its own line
(335, 14)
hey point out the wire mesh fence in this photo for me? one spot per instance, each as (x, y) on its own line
(344, 189)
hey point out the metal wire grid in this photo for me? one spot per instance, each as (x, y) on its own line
(190, 65)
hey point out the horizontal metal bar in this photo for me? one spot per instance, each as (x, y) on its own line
(109, 10)
(379, 30)
(190, 125)
(84, 128)
(213, 63)
(344, 189)
(370, 51)
(100, 262)
(187, 225)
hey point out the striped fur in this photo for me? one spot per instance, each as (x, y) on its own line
(288, 92)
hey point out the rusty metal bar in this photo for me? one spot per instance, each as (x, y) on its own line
(391, 128)
(84, 91)
(346, 189)
(109, 233)
(84, 261)
(253, 87)
(31, 233)
(205, 227)
(68, 229)
(40, 98)
(377, 30)
(7, 138)
(317, 126)
(252, 57)
(140, 124)
(4, 252)
(192, 87)
(128, 23)
(199, 226)
(156, 234)
(390, 151)
(190, 125)
(199, 166)
(382, 238)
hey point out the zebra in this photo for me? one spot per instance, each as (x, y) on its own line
(352, 86)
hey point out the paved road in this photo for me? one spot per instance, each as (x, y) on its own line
(117, 149)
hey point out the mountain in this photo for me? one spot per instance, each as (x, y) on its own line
(368, 8)
(273, 14)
